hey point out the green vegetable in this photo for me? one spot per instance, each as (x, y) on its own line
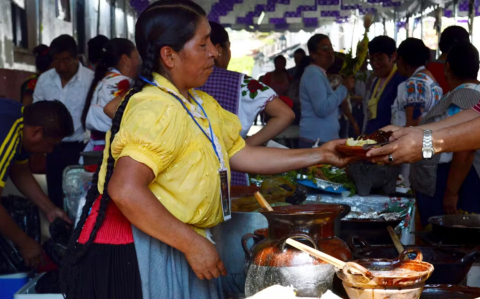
(339, 176)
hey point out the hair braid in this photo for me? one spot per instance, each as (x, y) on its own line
(74, 255)
(170, 23)
(146, 72)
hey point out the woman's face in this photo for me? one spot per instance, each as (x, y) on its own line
(324, 57)
(224, 55)
(194, 63)
(132, 63)
(382, 64)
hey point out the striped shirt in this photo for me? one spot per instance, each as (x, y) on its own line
(11, 134)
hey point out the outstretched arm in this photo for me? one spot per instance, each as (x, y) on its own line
(407, 143)
(23, 179)
(263, 160)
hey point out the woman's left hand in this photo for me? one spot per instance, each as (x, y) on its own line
(331, 156)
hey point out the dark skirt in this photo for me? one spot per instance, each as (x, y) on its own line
(467, 196)
(105, 272)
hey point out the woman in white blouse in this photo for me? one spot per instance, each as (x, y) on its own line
(245, 97)
(420, 92)
(113, 75)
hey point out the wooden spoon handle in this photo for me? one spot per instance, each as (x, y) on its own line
(316, 253)
(354, 267)
(262, 201)
(396, 241)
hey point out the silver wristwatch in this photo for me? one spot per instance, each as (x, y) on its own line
(427, 149)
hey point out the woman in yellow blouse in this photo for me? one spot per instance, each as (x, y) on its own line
(144, 228)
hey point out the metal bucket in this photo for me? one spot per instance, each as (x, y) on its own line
(228, 238)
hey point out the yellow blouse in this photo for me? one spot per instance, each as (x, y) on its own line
(157, 131)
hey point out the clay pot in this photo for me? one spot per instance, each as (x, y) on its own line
(273, 262)
(394, 279)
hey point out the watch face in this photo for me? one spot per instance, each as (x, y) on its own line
(427, 154)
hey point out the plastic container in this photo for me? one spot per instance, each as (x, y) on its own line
(11, 283)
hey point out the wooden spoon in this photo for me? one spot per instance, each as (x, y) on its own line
(263, 202)
(396, 241)
(358, 269)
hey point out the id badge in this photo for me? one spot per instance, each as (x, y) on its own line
(225, 195)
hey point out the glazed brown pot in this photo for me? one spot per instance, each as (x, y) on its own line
(273, 262)
(399, 278)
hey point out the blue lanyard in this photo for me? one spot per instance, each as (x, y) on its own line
(191, 115)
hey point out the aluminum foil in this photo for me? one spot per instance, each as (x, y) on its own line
(322, 184)
(374, 207)
(375, 216)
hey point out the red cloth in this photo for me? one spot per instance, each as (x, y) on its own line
(438, 71)
(477, 107)
(287, 101)
(115, 229)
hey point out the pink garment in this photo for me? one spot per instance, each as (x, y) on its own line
(280, 88)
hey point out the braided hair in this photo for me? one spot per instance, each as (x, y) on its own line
(165, 23)
(112, 53)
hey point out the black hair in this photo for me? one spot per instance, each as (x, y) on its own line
(464, 61)
(64, 43)
(52, 116)
(218, 35)
(165, 23)
(452, 35)
(110, 58)
(95, 48)
(414, 52)
(279, 57)
(299, 51)
(304, 63)
(314, 41)
(382, 44)
(43, 61)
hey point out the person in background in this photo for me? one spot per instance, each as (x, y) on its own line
(43, 62)
(279, 79)
(113, 76)
(144, 230)
(383, 55)
(447, 183)
(298, 56)
(36, 128)
(69, 83)
(345, 117)
(319, 103)
(294, 88)
(245, 97)
(450, 36)
(363, 83)
(95, 50)
(420, 92)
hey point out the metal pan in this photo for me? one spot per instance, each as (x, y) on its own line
(451, 266)
(457, 229)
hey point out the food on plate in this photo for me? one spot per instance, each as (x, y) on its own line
(376, 137)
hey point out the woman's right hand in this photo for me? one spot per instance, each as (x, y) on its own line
(204, 259)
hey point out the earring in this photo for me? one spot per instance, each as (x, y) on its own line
(219, 55)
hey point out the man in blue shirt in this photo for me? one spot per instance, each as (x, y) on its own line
(383, 57)
(36, 128)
